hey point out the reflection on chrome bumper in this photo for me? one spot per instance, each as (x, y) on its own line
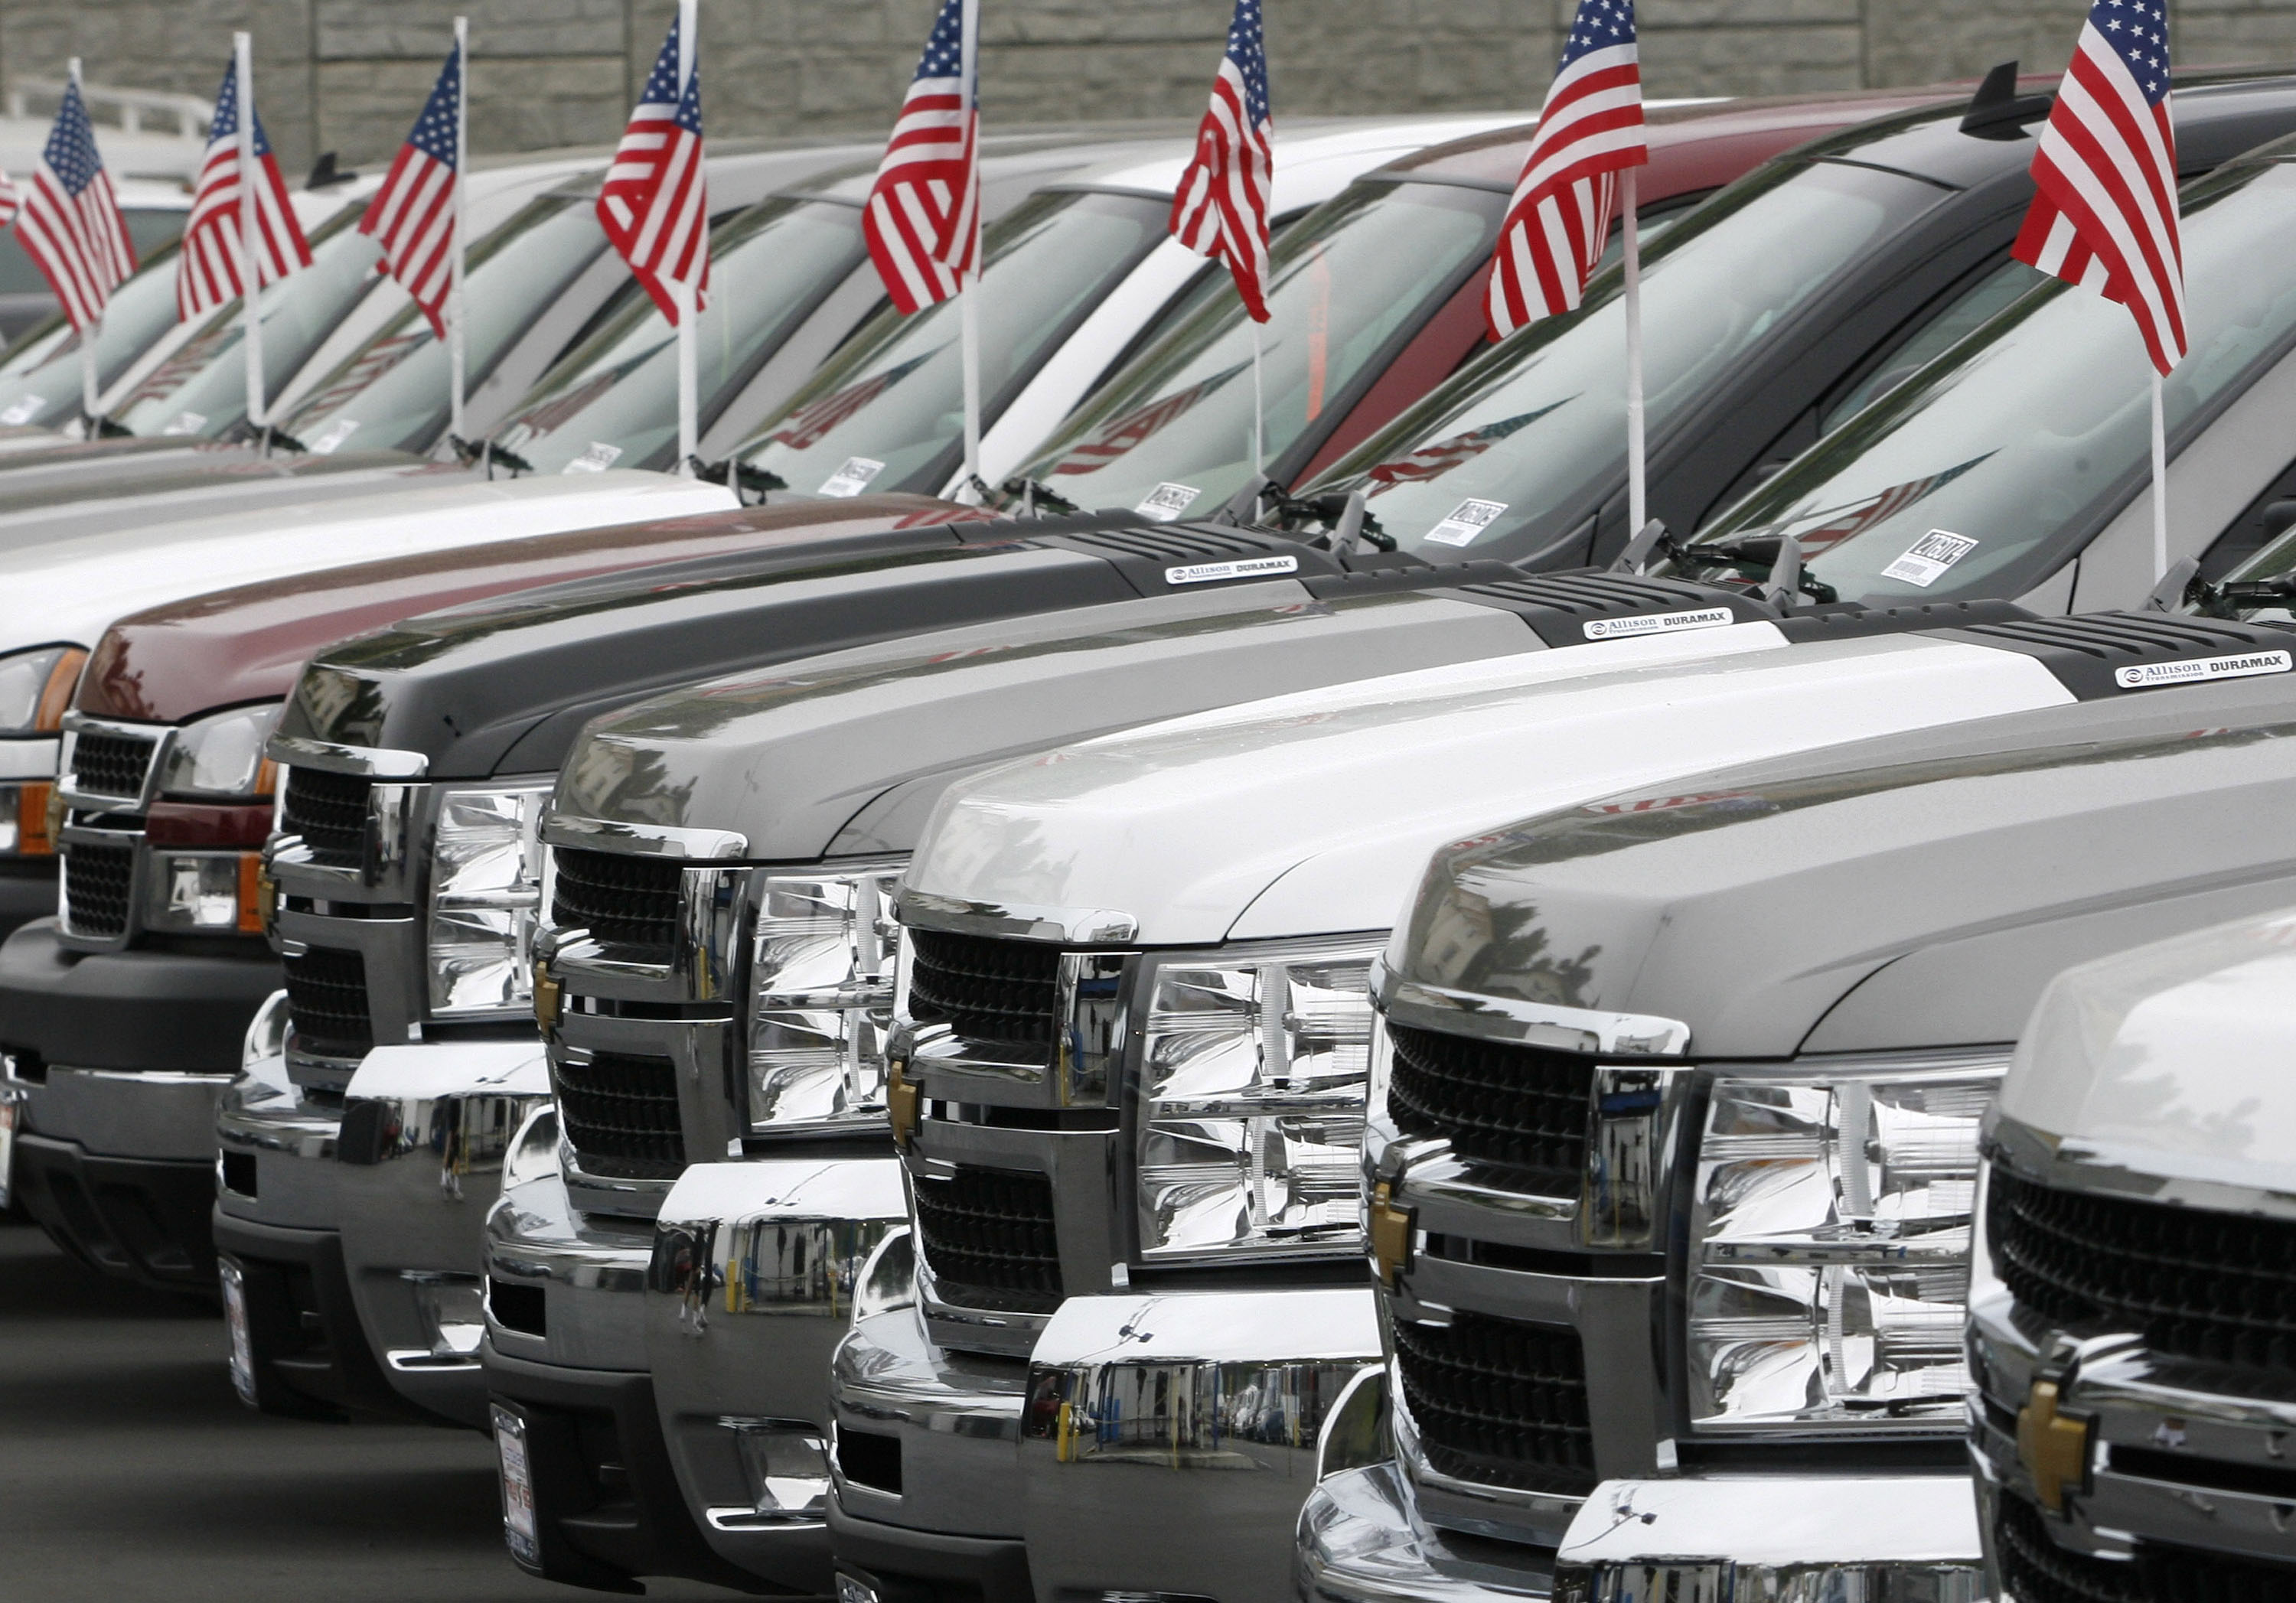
(1890, 1538)
(589, 1269)
(755, 1267)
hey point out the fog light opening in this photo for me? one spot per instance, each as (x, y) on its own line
(786, 1462)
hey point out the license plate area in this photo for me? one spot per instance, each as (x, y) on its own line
(521, 1531)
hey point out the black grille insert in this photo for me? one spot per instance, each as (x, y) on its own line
(624, 901)
(326, 1004)
(2217, 1286)
(989, 1239)
(2035, 1570)
(111, 764)
(986, 987)
(1522, 1106)
(97, 883)
(620, 1112)
(329, 811)
(1499, 1404)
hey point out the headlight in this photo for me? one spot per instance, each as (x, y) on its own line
(485, 891)
(822, 999)
(1253, 1062)
(36, 686)
(1830, 1242)
(221, 758)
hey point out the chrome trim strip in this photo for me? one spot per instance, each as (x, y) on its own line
(1525, 1023)
(1084, 925)
(34, 759)
(641, 840)
(2070, 1162)
(368, 762)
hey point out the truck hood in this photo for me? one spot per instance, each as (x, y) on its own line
(845, 753)
(149, 494)
(72, 588)
(176, 661)
(1906, 893)
(2172, 1060)
(1314, 814)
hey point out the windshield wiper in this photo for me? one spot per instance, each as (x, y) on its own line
(1340, 513)
(1756, 557)
(485, 453)
(738, 476)
(1035, 493)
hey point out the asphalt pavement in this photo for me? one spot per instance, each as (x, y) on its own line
(129, 1469)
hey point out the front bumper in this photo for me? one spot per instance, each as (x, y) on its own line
(140, 1219)
(1152, 1444)
(755, 1264)
(170, 1012)
(397, 1176)
(1891, 1539)
(565, 1348)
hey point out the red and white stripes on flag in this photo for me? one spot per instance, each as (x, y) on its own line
(1222, 208)
(10, 200)
(208, 271)
(412, 216)
(654, 205)
(1590, 128)
(69, 222)
(2105, 214)
(923, 221)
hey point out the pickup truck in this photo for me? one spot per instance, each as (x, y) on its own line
(2127, 1317)
(1673, 1141)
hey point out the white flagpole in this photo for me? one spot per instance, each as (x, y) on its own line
(2160, 483)
(88, 376)
(1259, 406)
(968, 291)
(454, 334)
(244, 76)
(689, 386)
(1637, 475)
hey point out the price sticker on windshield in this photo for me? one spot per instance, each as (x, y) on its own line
(1926, 561)
(1167, 502)
(329, 439)
(1466, 520)
(854, 475)
(23, 409)
(597, 459)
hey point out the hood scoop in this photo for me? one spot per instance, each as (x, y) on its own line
(2100, 655)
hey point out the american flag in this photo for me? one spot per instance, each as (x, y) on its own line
(1590, 128)
(1221, 211)
(9, 199)
(654, 205)
(811, 426)
(206, 273)
(923, 218)
(1122, 434)
(1433, 461)
(70, 224)
(2105, 216)
(412, 215)
(1848, 521)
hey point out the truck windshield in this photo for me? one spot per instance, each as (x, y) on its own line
(1714, 285)
(613, 402)
(201, 388)
(886, 412)
(39, 383)
(1985, 473)
(391, 393)
(1348, 284)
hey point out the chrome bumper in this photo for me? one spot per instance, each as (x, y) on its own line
(1156, 1443)
(402, 1168)
(589, 1269)
(1892, 1539)
(759, 1260)
(154, 1114)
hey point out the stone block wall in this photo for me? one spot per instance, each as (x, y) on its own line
(349, 74)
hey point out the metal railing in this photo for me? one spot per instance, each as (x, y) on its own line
(190, 114)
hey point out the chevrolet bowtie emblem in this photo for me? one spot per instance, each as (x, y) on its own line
(546, 997)
(1391, 1235)
(901, 1104)
(2052, 1447)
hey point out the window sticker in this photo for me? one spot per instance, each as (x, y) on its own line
(1246, 568)
(852, 477)
(1466, 520)
(597, 459)
(1927, 558)
(1167, 502)
(329, 439)
(23, 409)
(2200, 670)
(186, 422)
(1659, 623)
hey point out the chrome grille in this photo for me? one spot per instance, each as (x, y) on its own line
(2035, 1570)
(105, 764)
(619, 1113)
(622, 900)
(1498, 1402)
(2219, 1287)
(1524, 1107)
(989, 1237)
(986, 988)
(98, 881)
(330, 812)
(326, 1000)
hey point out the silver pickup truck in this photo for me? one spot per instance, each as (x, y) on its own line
(1673, 1142)
(2130, 1305)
